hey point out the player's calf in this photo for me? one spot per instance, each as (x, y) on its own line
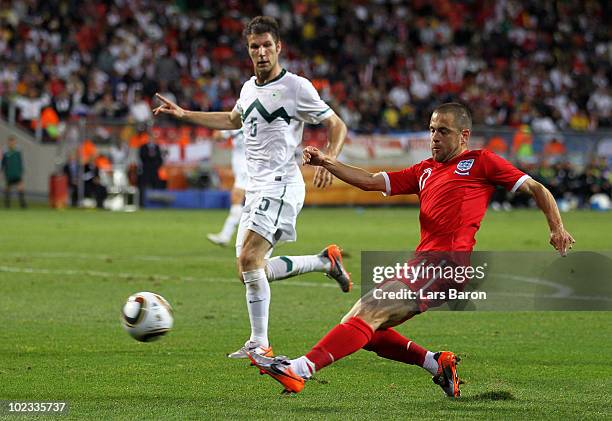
(328, 261)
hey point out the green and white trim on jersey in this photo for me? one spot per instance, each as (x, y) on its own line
(280, 75)
(280, 112)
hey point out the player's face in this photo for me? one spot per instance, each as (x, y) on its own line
(264, 52)
(447, 140)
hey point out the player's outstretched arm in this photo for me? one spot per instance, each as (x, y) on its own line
(358, 177)
(336, 133)
(560, 239)
(214, 120)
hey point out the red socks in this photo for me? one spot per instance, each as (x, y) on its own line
(347, 338)
(344, 339)
(387, 343)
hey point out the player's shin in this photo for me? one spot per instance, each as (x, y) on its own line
(258, 304)
(282, 267)
(388, 343)
(344, 339)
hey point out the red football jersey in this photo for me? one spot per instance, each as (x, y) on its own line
(454, 195)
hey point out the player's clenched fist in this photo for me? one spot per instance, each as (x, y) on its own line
(313, 156)
(168, 107)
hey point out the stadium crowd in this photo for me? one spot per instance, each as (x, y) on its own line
(381, 64)
(589, 188)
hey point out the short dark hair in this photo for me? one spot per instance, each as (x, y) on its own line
(261, 25)
(463, 117)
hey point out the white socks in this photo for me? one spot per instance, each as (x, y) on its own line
(282, 267)
(231, 222)
(430, 364)
(258, 289)
(258, 304)
(303, 367)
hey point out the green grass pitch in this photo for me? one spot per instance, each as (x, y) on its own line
(65, 275)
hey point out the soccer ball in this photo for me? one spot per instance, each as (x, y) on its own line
(146, 316)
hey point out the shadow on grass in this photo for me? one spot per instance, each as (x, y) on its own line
(492, 395)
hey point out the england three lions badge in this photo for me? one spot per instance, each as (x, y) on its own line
(463, 167)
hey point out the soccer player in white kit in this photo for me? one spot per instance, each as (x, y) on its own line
(239, 169)
(272, 109)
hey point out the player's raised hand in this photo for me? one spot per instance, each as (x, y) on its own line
(562, 241)
(168, 107)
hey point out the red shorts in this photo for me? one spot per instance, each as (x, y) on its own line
(434, 276)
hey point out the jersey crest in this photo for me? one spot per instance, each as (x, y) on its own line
(463, 167)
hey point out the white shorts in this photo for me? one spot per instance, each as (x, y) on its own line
(240, 180)
(271, 213)
(239, 168)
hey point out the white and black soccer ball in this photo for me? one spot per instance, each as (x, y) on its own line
(146, 316)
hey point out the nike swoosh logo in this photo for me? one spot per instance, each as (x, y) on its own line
(256, 301)
(279, 372)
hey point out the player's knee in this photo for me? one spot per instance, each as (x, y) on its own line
(371, 315)
(247, 261)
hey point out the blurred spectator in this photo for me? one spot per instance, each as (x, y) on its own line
(108, 108)
(87, 151)
(140, 110)
(93, 187)
(579, 121)
(522, 144)
(71, 170)
(49, 122)
(497, 145)
(119, 152)
(30, 107)
(62, 104)
(600, 106)
(500, 200)
(554, 150)
(543, 124)
(151, 161)
(13, 169)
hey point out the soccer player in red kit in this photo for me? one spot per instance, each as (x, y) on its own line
(454, 188)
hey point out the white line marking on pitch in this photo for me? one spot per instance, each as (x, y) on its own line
(562, 291)
(68, 255)
(130, 276)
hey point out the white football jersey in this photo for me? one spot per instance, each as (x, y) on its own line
(273, 117)
(238, 153)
